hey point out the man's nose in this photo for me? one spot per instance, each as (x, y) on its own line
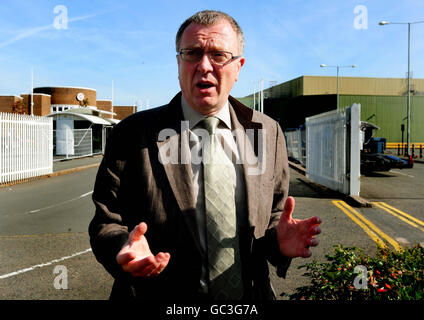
(205, 64)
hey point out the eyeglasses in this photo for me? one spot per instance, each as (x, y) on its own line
(216, 57)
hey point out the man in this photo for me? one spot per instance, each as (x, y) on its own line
(176, 229)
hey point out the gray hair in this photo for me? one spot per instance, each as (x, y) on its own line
(208, 18)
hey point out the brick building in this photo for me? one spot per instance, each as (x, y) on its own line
(48, 100)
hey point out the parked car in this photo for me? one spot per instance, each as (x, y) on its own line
(400, 163)
(372, 154)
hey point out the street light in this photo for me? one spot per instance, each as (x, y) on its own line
(338, 67)
(408, 126)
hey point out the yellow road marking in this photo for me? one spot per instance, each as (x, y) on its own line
(366, 225)
(372, 235)
(381, 206)
(402, 213)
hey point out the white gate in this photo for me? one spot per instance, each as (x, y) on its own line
(26, 146)
(333, 149)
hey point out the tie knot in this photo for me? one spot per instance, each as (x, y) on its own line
(210, 124)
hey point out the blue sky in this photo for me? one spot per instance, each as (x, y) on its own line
(132, 43)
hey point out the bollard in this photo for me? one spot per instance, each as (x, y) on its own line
(398, 149)
(421, 151)
(413, 150)
(405, 152)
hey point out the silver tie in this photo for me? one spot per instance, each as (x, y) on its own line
(221, 221)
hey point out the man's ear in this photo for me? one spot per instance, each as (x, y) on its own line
(178, 64)
(241, 61)
(240, 64)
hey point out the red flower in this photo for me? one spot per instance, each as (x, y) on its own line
(388, 286)
(381, 290)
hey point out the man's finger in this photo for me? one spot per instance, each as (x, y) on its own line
(288, 208)
(163, 259)
(138, 232)
(313, 221)
(313, 242)
(317, 230)
(306, 253)
(125, 257)
(146, 272)
(142, 266)
(160, 264)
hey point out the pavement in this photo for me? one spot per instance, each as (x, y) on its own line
(64, 167)
(67, 166)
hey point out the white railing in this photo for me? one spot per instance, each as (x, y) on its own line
(333, 149)
(26, 146)
(72, 143)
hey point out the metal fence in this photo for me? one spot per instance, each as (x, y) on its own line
(72, 143)
(296, 148)
(26, 145)
(333, 149)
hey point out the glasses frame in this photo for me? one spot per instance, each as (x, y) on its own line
(233, 57)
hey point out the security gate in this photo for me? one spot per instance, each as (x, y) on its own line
(333, 143)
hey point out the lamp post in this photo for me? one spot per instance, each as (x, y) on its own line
(408, 107)
(32, 91)
(338, 67)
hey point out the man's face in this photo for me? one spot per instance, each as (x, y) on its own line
(206, 86)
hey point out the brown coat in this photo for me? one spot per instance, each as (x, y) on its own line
(133, 186)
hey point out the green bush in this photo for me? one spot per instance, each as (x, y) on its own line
(390, 275)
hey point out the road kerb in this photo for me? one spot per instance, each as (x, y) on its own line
(53, 174)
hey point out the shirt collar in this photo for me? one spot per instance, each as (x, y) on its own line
(194, 117)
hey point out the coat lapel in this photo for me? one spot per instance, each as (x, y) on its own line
(172, 151)
(244, 124)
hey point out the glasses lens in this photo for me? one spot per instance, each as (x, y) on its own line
(195, 55)
(191, 55)
(220, 57)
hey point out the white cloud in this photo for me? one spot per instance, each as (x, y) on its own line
(33, 31)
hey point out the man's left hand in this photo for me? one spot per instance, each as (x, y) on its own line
(296, 236)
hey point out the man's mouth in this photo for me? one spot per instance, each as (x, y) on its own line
(204, 85)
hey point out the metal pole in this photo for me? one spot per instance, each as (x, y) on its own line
(337, 88)
(262, 95)
(254, 96)
(408, 132)
(32, 91)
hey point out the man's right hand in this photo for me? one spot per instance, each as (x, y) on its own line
(136, 258)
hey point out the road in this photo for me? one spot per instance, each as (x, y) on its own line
(43, 225)
(43, 221)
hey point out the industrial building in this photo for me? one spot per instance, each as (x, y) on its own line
(383, 102)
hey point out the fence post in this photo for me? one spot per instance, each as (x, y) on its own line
(355, 147)
(398, 149)
(66, 142)
(421, 151)
(413, 150)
